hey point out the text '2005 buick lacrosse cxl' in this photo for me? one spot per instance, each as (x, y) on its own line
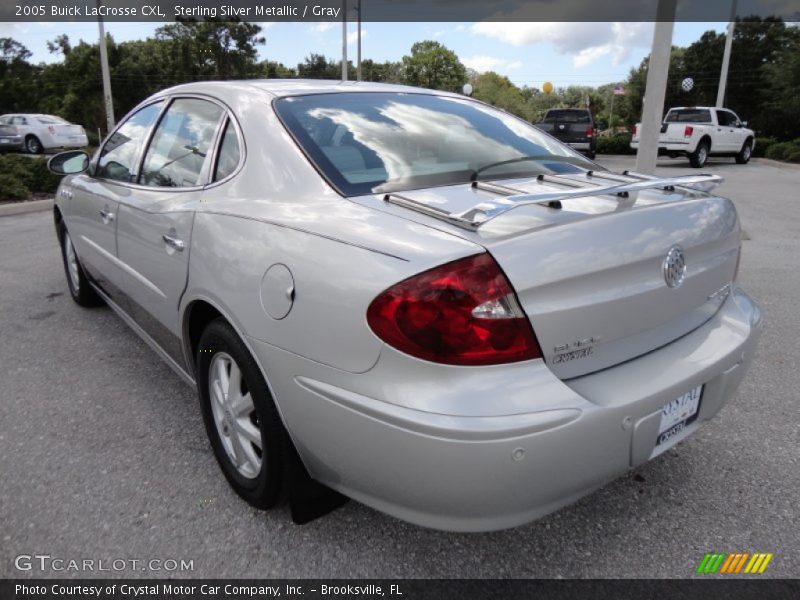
(413, 298)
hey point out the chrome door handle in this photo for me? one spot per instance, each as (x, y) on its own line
(107, 216)
(173, 242)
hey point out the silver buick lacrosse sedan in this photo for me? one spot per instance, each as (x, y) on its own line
(408, 297)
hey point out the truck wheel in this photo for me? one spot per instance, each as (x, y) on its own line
(699, 157)
(744, 154)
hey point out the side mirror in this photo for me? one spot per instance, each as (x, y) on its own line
(69, 163)
(744, 123)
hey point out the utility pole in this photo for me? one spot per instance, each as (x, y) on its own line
(344, 40)
(726, 57)
(656, 87)
(107, 100)
(358, 68)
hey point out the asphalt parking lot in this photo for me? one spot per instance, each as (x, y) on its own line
(103, 454)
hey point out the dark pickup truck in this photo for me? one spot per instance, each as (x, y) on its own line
(573, 126)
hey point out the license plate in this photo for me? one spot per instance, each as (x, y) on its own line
(677, 414)
(3, 141)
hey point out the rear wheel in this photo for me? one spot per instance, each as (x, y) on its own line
(79, 288)
(33, 145)
(243, 425)
(699, 157)
(745, 153)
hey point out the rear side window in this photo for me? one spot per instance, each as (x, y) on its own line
(180, 144)
(118, 157)
(229, 154)
(689, 115)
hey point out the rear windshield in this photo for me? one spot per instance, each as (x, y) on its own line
(567, 116)
(688, 115)
(379, 142)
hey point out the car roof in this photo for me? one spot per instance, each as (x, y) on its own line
(295, 87)
(32, 115)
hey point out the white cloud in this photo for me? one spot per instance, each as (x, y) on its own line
(323, 26)
(584, 42)
(517, 64)
(481, 63)
(352, 37)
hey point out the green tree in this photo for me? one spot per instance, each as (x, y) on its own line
(317, 66)
(17, 76)
(499, 91)
(214, 49)
(432, 65)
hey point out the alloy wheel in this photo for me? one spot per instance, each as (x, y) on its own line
(72, 264)
(235, 415)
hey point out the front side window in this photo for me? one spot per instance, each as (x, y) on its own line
(379, 141)
(180, 144)
(118, 156)
(727, 118)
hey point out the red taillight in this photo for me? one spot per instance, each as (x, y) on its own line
(589, 131)
(633, 131)
(461, 313)
(688, 131)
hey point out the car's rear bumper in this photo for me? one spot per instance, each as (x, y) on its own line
(524, 442)
(73, 142)
(668, 147)
(579, 145)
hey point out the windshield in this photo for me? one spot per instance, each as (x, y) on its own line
(688, 115)
(379, 142)
(567, 116)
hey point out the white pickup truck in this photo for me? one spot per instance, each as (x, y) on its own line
(701, 131)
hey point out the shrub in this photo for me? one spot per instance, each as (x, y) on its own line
(43, 181)
(794, 155)
(782, 150)
(619, 143)
(762, 143)
(11, 188)
(23, 175)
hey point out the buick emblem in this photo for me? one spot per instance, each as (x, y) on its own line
(674, 267)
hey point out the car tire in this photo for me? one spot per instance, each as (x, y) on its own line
(33, 145)
(79, 287)
(241, 420)
(699, 157)
(743, 157)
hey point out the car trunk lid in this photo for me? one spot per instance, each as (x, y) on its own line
(591, 276)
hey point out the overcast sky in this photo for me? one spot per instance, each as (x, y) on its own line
(528, 53)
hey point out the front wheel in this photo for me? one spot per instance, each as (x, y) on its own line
(745, 153)
(242, 423)
(79, 288)
(699, 157)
